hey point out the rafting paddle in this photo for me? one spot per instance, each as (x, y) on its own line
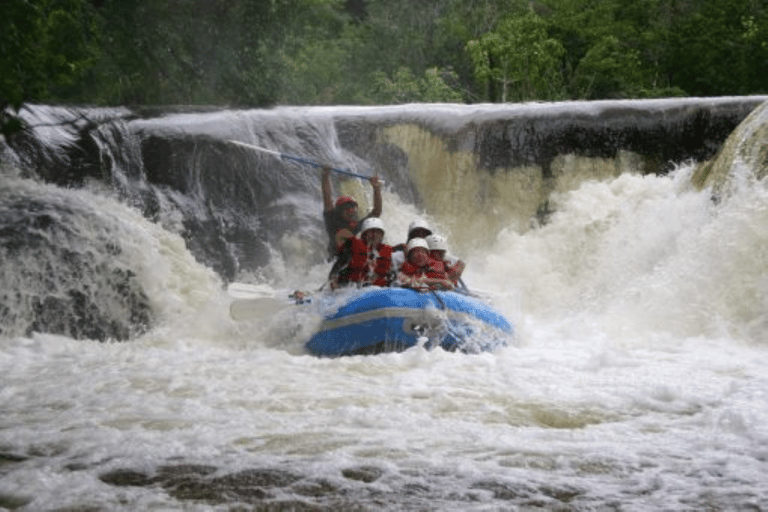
(313, 163)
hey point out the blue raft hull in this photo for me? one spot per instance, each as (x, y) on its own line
(395, 319)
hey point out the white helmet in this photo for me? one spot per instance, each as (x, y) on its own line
(417, 242)
(372, 223)
(437, 243)
(418, 224)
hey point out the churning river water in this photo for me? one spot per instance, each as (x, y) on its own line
(636, 379)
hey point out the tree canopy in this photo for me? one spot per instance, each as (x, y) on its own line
(311, 52)
(521, 58)
(45, 47)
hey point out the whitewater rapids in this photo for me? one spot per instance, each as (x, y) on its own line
(636, 380)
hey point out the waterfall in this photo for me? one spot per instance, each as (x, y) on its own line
(474, 169)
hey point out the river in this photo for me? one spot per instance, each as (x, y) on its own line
(636, 379)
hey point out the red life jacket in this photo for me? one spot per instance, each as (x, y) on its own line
(333, 224)
(451, 267)
(361, 269)
(433, 269)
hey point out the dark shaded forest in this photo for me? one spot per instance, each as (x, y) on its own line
(258, 53)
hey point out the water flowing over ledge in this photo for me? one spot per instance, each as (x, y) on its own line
(477, 169)
(743, 156)
(231, 206)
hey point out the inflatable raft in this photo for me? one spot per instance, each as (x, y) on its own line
(395, 319)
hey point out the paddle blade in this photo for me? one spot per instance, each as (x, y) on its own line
(255, 301)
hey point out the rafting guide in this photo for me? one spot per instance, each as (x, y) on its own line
(341, 215)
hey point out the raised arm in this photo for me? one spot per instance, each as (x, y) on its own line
(326, 185)
(377, 203)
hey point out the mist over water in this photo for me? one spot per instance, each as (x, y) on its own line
(636, 380)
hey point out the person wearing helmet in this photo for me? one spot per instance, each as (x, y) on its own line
(341, 216)
(417, 229)
(366, 260)
(421, 272)
(438, 251)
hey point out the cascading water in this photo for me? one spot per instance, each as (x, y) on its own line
(636, 380)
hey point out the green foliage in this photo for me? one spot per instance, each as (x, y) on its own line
(311, 74)
(44, 46)
(436, 86)
(265, 52)
(608, 70)
(404, 87)
(722, 48)
(521, 58)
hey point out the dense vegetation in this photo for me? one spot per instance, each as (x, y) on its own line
(310, 52)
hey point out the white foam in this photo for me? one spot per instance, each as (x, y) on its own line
(639, 378)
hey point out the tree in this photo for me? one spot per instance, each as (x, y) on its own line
(159, 52)
(393, 34)
(464, 21)
(262, 52)
(314, 54)
(520, 57)
(608, 70)
(44, 46)
(578, 25)
(722, 48)
(404, 87)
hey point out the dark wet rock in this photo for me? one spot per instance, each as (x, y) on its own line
(76, 466)
(298, 506)
(183, 481)
(546, 497)
(127, 478)
(8, 458)
(365, 474)
(250, 486)
(505, 491)
(213, 493)
(316, 489)
(184, 470)
(197, 482)
(416, 489)
(274, 489)
(564, 494)
(225, 229)
(67, 278)
(80, 508)
(258, 477)
(12, 502)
